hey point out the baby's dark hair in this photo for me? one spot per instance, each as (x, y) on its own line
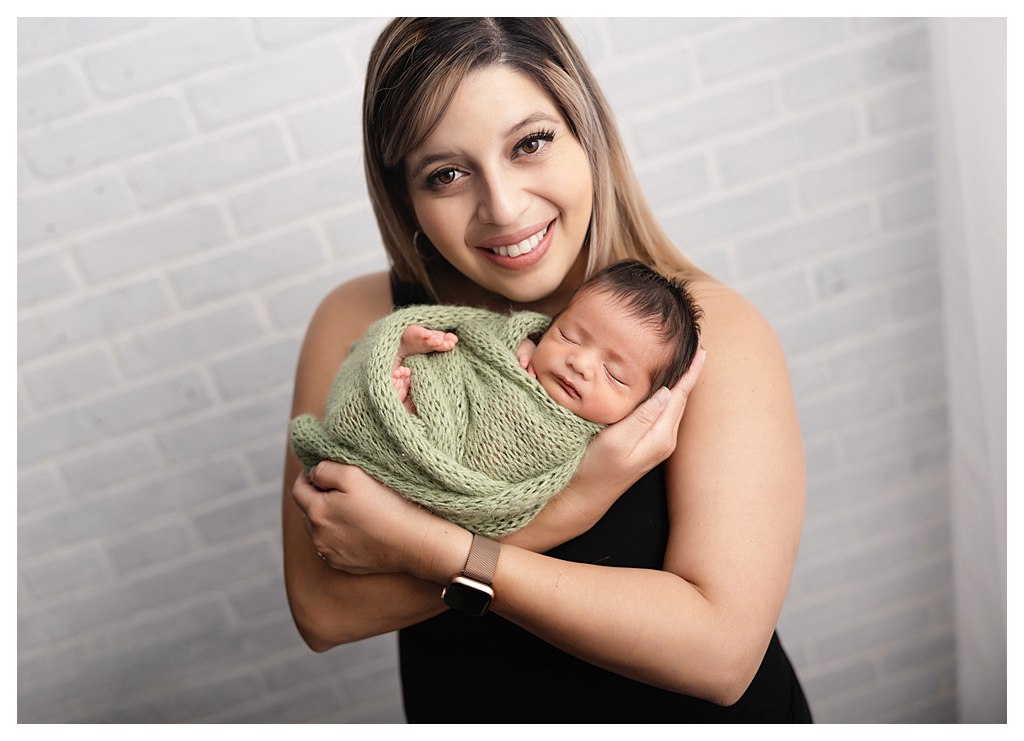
(663, 303)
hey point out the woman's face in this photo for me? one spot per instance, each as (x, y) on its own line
(503, 190)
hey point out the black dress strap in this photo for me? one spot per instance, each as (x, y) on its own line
(407, 294)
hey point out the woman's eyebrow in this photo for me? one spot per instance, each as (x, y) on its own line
(535, 117)
(430, 159)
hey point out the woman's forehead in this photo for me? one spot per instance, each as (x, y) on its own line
(492, 103)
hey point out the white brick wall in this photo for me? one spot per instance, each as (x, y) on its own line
(190, 189)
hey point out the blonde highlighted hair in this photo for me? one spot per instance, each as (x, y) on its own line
(414, 70)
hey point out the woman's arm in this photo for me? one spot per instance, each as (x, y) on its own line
(736, 488)
(735, 496)
(330, 607)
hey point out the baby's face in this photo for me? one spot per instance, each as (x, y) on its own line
(598, 361)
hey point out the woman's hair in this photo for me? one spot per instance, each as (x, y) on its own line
(414, 70)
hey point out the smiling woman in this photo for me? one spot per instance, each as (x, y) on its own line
(649, 588)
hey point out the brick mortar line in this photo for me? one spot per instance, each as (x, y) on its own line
(167, 266)
(153, 430)
(207, 553)
(854, 40)
(77, 52)
(859, 692)
(111, 630)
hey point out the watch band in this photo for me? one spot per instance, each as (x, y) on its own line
(482, 560)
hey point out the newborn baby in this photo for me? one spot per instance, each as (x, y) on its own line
(486, 426)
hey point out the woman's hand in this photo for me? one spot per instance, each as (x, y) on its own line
(360, 526)
(633, 446)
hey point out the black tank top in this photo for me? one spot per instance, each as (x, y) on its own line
(457, 668)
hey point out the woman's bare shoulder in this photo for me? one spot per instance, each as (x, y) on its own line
(365, 296)
(730, 322)
(342, 317)
(744, 391)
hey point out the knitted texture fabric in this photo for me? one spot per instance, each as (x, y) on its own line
(487, 447)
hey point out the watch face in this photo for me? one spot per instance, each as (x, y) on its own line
(468, 596)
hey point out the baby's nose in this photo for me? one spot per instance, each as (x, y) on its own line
(578, 363)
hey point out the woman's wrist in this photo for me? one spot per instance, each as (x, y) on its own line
(592, 492)
(442, 552)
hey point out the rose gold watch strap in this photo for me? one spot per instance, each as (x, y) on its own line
(482, 559)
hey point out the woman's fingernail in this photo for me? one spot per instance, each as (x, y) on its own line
(661, 397)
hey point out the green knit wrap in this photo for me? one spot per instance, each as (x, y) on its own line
(487, 449)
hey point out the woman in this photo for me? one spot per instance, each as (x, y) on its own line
(656, 605)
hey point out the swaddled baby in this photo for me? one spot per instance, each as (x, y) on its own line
(458, 409)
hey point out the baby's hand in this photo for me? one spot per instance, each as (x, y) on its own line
(524, 354)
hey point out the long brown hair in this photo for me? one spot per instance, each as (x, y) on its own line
(414, 70)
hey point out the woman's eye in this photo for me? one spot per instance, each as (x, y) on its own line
(534, 142)
(532, 146)
(443, 177)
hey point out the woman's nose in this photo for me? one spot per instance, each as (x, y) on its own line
(502, 201)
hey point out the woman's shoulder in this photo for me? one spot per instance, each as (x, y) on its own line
(744, 357)
(351, 307)
(729, 320)
(341, 319)
(370, 293)
(345, 313)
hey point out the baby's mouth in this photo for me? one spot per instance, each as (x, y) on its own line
(569, 388)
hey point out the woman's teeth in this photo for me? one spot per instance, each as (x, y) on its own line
(520, 248)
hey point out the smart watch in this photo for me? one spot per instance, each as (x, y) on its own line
(470, 592)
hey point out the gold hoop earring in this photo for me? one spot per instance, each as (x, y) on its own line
(424, 252)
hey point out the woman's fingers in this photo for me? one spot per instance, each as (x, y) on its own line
(304, 494)
(689, 379)
(307, 497)
(652, 427)
(357, 524)
(327, 475)
(676, 402)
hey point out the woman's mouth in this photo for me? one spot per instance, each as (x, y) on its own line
(523, 253)
(522, 247)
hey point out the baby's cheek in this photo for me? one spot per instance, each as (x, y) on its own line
(539, 361)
